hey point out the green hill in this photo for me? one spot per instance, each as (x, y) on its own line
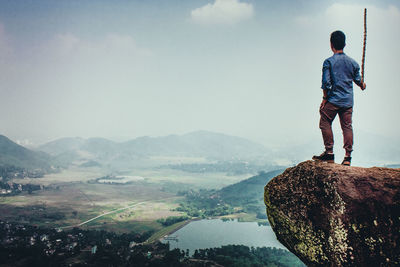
(247, 191)
(247, 195)
(12, 154)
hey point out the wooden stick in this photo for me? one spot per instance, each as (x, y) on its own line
(364, 45)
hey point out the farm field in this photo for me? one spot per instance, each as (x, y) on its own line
(75, 197)
(214, 180)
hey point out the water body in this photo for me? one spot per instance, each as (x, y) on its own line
(215, 233)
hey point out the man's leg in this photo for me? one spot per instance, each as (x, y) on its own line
(346, 124)
(328, 114)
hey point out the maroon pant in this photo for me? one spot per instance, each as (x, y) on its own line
(328, 114)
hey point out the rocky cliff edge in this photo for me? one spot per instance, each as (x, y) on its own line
(334, 215)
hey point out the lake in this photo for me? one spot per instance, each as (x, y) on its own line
(215, 233)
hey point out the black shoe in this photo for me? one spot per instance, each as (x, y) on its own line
(328, 157)
(346, 161)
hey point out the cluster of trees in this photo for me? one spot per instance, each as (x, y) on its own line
(17, 249)
(9, 171)
(18, 188)
(25, 245)
(204, 203)
(172, 220)
(242, 256)
(37, 213)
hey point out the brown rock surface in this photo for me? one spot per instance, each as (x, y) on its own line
(334, 215)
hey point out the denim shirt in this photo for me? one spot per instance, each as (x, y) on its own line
(338, 73)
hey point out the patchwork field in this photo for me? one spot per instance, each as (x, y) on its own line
(155, 176)
(77, 197)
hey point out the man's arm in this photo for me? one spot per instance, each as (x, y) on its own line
(326, 76)
(324, 99)
(326, 82)
(357, 77)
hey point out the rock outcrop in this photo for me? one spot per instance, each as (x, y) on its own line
(334, 215)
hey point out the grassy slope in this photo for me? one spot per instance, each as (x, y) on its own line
(12, 154)
(247, 191)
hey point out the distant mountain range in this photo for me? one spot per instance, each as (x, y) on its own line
(201, 144)
(12, 154)
(152, 151)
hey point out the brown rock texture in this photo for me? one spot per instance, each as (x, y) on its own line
(334, 215)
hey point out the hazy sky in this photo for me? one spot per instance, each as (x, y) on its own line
(123, 69)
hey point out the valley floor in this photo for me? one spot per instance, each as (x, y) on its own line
(74, 198)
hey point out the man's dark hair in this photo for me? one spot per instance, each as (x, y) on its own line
(338, 40)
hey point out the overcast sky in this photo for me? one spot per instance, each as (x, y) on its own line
(123, 69)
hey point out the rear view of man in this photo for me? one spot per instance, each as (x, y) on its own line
(338, 74)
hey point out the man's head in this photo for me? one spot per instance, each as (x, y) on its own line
(338, 40)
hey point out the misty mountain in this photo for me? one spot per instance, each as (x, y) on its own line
(198, 144)
(12, 154)
(213, 146)
(62, 145)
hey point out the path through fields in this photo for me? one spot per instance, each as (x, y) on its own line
(101, 215)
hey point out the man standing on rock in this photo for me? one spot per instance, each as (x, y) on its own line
(338, 73)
